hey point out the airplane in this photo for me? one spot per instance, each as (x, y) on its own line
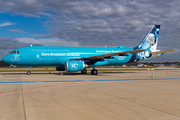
(73, 59)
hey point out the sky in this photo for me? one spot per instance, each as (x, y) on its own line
(89, 23)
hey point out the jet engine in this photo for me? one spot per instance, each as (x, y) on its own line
(74, 66)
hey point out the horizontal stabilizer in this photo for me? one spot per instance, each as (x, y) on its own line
(112, 54)
(164, 51)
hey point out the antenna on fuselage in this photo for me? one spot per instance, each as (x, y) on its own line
(31, 45)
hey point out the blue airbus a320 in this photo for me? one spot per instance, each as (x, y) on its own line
(73, 59)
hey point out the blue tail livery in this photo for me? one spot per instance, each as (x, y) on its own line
(149, 44)
(73, 59)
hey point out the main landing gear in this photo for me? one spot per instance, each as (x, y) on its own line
(29, 70)
(94, 72)
(84, 71)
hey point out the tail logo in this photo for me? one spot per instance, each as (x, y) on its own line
(151, 39)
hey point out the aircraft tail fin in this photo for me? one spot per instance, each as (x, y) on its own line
(149, 44)
(150, 41)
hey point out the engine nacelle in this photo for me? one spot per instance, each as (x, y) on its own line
(60, 68)
(74, 66)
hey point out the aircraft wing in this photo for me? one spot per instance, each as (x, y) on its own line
(112, 54)
(164, 51)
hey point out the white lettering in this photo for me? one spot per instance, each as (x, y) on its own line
(45, 54)
(120, 58)
(60, 54)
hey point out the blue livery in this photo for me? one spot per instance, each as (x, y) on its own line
(73, 59)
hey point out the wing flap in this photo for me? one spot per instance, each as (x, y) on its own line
(112, 54)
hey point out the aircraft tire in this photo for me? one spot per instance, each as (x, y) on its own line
(28, 72)
(94, 72)
(84, 71)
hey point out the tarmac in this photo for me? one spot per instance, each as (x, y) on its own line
(111, 95)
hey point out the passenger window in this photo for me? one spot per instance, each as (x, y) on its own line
(17, 52)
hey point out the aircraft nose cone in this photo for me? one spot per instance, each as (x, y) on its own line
(6, 59)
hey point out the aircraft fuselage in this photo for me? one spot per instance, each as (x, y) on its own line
(53, 56)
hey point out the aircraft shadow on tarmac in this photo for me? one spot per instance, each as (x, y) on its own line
(101, 73)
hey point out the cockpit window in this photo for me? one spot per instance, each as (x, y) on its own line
(15, 52)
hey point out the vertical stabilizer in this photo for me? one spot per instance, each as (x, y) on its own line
(150, 40)
(149, 43)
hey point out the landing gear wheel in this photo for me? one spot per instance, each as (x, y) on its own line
(84, 71)
(94, 72)
(28, 72)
